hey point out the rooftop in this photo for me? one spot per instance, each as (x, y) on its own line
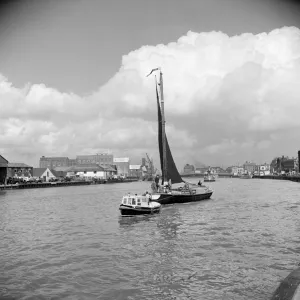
(18, 165)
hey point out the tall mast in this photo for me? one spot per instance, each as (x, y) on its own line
(165, 165)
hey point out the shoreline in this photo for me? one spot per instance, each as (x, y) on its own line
(58, 184)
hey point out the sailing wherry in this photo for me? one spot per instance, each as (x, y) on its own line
(173, 188)
(168, 194)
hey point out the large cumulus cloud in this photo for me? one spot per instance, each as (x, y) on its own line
(227, 99)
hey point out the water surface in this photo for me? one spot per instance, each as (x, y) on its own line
(72, 243)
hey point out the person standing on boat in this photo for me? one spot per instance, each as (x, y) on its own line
(157, 182)
(200, 183)
(148, 197)
(170, 184)
(153, 187)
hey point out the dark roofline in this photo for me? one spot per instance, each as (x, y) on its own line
(4, 158)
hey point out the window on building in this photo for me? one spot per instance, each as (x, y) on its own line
(47, 173)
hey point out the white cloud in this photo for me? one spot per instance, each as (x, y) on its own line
(226, 98)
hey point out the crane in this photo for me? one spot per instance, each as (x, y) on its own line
(151, 170)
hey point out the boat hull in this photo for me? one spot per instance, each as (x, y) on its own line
(133, 211)
(209, 180)
(289, 288)
(164, 198)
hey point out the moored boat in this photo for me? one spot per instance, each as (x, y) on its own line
(209, 178)
(246, 175)
(132, 205)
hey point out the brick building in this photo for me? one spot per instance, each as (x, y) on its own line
(3, 169)
(52, 162)
(19, 170)
(102, 159)
(188, 169)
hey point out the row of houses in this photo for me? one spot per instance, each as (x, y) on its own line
(21, 170)
(190, 169)
(278, 165)
(120, 168)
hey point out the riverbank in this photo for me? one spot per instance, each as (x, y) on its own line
(60, 184)
(42, 185)
(279, 177)
(220, 175)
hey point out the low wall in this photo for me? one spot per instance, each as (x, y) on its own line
(295, 178)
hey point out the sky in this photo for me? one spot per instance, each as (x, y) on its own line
(73, 79)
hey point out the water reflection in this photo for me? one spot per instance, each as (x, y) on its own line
(2, 192)
(70, 243)
(131, 220)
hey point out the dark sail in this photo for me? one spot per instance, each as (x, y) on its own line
(172, 172)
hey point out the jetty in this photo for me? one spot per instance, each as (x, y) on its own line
(42, 185)
(34, 185)
(295, 178)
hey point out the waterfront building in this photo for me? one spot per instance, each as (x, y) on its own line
(72, 162)
(289, 165)
(52, 162)
(122, 165)
(3, 169)
(283, 164)
(249, 167)
(102, 159)
(188, 169)
(217, 170)
(135, 171)
(90, 171)
(87, 171)
(228, 170)
(263, 169)
(109, 170)
(19, 170)
(237, 170)
(201, 170)
(43, 173)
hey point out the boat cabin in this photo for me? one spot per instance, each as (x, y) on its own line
(136, 201)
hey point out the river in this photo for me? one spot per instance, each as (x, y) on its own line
(72, 243)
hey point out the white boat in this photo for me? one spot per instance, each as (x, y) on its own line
(209, 178)
(132, 205)
(246, 175)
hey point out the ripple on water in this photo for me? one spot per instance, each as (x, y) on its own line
(71, 243)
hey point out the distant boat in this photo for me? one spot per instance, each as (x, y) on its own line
(209, 178)
(132, 205)
(246, 175)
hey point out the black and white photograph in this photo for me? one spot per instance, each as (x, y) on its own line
(149, 150)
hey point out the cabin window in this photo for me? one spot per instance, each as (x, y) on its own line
(133, 201)
(125, 201)
(145, 200)
(138, 201)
